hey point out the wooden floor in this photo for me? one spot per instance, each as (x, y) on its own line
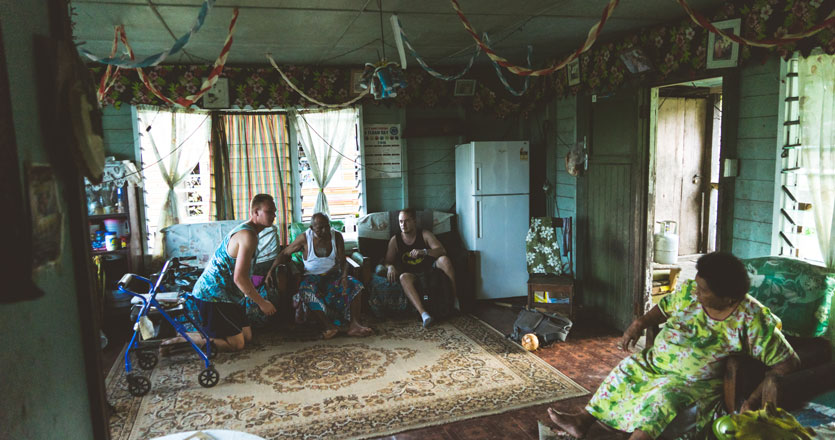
(586, 357)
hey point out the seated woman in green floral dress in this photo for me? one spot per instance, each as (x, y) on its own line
(704, 322)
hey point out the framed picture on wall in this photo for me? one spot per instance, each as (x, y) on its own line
(722, 51)
(356, 81)
(572, 70)
(464, 87)
(218, 95)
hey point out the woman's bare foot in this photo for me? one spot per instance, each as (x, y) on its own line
(575, 425)
(329, 333)
(357, 329)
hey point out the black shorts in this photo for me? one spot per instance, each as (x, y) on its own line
(222, 319)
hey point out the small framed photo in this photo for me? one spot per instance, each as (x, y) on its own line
(635, 61)
(356, 81)
(721, 51)
(572, 70)
(464, 87)
(218, 95)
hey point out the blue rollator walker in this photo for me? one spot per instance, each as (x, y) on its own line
(145, 350)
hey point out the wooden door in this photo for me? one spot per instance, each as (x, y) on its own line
(612, 208)
(680, 161)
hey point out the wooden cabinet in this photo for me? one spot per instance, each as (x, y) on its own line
(557, 291)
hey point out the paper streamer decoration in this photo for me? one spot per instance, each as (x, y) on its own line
(153, 60)
(501, 75)
(103, 84)
(768, 43)
(594, 32)
(293, 86)
(425, 66)
(398, 40)
(210, 80)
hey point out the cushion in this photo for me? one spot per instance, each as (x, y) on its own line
(542, 247)
(799, 293)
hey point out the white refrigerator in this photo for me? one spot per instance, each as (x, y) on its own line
(491, 202)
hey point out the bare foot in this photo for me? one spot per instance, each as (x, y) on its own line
(575, 425)
(329, 333)
(356, 329)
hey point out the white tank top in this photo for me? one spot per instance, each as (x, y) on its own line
(314, 264)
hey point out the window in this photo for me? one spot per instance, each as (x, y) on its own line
(174, 147)
(804, 167)
(344, 189)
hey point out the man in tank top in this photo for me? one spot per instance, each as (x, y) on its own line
(411, 254)
(326, 290)
(225, 281)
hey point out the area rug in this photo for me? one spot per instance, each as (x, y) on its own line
(283, 386)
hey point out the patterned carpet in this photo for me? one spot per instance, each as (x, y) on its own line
(283, 386)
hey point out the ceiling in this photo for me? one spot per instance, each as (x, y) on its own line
(348, 32)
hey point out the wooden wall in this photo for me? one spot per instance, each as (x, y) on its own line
(118, 133)
(383, 194)
(757, 137)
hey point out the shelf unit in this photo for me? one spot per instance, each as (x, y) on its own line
(134, 250)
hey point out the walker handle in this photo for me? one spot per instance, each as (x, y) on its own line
(126, 279)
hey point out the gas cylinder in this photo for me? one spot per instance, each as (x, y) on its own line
(666, 242)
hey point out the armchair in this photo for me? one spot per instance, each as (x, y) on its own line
(374, 232)
(800, 294)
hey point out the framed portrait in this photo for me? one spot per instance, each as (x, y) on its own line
(572, 70)
(464, 87)
(721, 51)
(218, 95)
(635, 61)
(356, 81)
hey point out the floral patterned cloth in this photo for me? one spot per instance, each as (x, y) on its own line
(542, 247)
(325, 293)
(684, 365)
(798, 292)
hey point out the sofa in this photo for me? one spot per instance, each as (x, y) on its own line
(374, 232)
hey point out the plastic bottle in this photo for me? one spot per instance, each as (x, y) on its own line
(120, 204)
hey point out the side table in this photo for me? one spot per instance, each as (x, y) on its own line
(558, 287)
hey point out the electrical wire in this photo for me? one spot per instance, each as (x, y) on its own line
(161, 158)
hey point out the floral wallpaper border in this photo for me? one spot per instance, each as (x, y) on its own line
(676, 50)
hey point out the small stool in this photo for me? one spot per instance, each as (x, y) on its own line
(559, 287)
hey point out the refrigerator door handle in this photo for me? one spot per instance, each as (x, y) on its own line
(478, 178)
(478, 218)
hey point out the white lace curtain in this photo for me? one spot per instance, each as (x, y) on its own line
(176, 141)
(816, 75)
(324, 136)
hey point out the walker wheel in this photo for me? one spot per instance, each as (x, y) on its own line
(146, 360)
(138, 385)
(208, 377)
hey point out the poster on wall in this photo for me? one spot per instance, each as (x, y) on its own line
(382, 151)
(47, 219)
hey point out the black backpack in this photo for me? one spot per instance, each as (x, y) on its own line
(548, 327)
(438, 294)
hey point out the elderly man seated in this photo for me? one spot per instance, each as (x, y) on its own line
(326, 290)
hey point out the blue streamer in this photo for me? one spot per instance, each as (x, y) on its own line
(428, 69)
(501, 75)
(153, 60)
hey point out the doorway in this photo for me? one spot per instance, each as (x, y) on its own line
(683, 193)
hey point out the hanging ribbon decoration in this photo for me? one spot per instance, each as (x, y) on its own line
(205, 87)
(426, 67)
(155, 59)
(594, 32)
(767, 43)
(104, 86)
(319, 103)
(501, 75)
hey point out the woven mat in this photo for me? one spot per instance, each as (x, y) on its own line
(283, 386)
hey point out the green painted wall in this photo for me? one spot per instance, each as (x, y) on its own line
(118, 133)
(757, 134)
(42, 365)
(383, 194)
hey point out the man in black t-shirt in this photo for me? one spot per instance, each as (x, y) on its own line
(411, 254)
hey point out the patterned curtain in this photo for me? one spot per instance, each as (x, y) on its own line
(259, 162)
(220, 201)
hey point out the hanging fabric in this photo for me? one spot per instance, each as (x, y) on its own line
(324, 136)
